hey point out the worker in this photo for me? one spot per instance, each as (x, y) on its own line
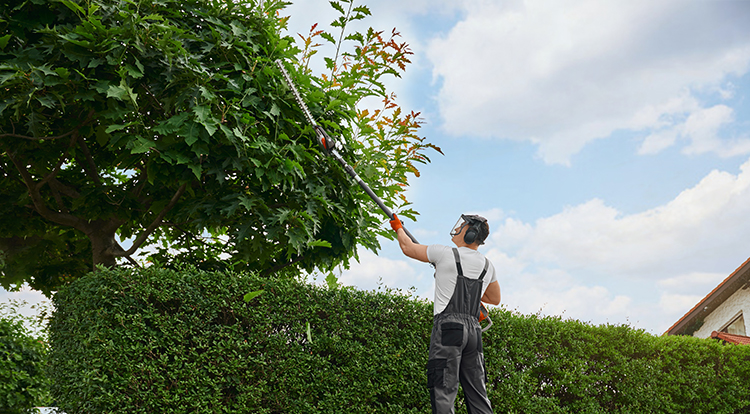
(463, 277)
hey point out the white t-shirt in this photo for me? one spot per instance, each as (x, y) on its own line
(472, 264)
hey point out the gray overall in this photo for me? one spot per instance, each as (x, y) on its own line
(456, 349)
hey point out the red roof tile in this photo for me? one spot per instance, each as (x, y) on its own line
(731, 338)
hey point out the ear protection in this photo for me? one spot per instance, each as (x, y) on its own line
(471, 233)
(477, 230)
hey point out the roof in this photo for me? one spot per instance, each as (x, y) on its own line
(738, 279)
(731, 338)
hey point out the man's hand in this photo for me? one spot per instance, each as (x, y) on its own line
(396, 223)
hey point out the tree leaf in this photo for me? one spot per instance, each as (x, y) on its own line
(133, 71)
(328, 37)
(251, 295)
(206, 93)
(122, 92)
(63, 72)
(112, 128)
(46, 101)
(337, 6)
(4, 41)
(142, 146)
(201, 112)
(332, 281)
(320, 243)
(196, 169)
(73, 6)
(211, 127)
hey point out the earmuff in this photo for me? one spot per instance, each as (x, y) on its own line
(471, 233)
(477, 230)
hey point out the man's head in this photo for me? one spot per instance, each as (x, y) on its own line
(471, 229)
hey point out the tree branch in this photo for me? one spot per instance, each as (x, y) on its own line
(89, 166)
(36, 197)
(63, 189)
(133, 262)
(278, 267)
(56, 194)
(156, 223)
(199, 239)
(57, 168)
(128, 257)
(138, 189)
(86, 121)
(37, 138)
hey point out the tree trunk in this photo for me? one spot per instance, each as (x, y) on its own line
(103, 243)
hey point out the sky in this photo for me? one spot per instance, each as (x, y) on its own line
(608, 144)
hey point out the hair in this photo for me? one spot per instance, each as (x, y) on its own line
(484, 231)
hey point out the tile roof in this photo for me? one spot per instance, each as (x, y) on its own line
(733, 282)
(731, 338)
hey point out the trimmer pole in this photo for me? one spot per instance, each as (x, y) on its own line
(331, 147)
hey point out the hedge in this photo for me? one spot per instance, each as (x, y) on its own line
(170, 342)
(548, 365)
(165, 341)
(23, 358)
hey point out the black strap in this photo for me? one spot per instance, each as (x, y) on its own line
(458, 262)
(486, 266)
(460, 270)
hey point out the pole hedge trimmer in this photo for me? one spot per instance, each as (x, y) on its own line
(331, 147)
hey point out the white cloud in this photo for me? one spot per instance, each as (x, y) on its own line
(658, 141)
(702, 130)
(555, 292)
(595, 263)
(677, 304)
(372, 271)
(565, 73)
(505, 265)
(705, 220)
(705, 281)
(492, 215)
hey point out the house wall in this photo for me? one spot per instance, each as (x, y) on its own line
(739, 301)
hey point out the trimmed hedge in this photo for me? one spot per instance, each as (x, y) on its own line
(23, 357)
(170, 342)
(546, 365)
(164, 341)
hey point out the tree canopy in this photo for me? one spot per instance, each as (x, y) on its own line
(166, 123)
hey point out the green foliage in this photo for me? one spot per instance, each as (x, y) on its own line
(167, 122)
(23, 357)
(550, 365)
(163, 341)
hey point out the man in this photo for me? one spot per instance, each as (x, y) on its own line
(463, 277)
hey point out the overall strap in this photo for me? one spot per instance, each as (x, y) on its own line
(486, 266)
(460, 270)
(458, 262)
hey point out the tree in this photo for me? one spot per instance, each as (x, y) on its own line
(167, 123)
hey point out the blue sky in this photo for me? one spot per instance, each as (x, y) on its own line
(607, 142)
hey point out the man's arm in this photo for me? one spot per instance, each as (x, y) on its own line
(410, 249)
(492, 294)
